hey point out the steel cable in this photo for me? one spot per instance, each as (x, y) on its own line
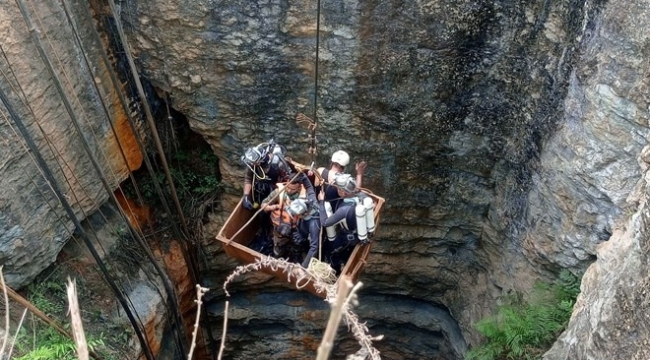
(172, 297)
(57, 83)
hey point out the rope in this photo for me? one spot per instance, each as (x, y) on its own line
(170, 119)
(190, 260)
(137, 233)
(117, 86)
(322, 271)
(316, 65)
(302, 119)
(68, 208)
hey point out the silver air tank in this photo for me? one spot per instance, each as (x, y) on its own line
(362, 230)
(330, 230)
(369, 205)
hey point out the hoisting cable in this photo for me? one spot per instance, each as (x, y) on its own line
(116, 85)
(32, 145)
(150, 121)
(189, 259)
(171, 294)
(48, 62)
(312, 149)
(302, 118)
(55, 152)
(68, 209)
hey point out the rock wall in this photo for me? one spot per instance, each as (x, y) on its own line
(33, 225)
(504, 135)
(611, 318)
(495, 130)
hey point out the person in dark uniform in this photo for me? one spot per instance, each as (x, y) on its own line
(340, 159)
(266, 166)
(344, 219)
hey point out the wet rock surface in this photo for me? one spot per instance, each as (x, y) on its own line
(503, 135)
(290, 324)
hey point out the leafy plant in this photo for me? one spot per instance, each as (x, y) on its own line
(525, 329)
(47, 297)
(209, 157)
(49, 344)
(181, 156)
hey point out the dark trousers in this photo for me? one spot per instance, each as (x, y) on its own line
(310, 228)
(340, 249)
(281, 245)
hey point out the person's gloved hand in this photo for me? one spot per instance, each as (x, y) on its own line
(247, 203)
(298, 238)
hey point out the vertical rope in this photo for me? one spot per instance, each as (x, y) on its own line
(313, 128)
(317, 55)
(137, 235)
(68, 209)
(23, 130)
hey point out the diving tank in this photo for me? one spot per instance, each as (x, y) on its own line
(362, 230)
(330, 230)
(369, 205)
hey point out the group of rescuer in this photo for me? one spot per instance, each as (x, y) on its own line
(299, 204)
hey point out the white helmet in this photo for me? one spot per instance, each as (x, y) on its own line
(341, 157)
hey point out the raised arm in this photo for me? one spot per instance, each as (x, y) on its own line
(311, 194)
(360, 168)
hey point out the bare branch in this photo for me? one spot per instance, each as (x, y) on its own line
(75, 318)
(223, 333)
(13, 341)
(200, 291)
(4, 291)
(327, 343)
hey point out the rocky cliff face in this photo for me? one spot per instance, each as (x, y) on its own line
(33, 224)
(613, 306)
(504, 135)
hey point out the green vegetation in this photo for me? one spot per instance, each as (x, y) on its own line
(526, 329)
(47, 344)
(37, 340)
(194, 174)
(49, 297)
